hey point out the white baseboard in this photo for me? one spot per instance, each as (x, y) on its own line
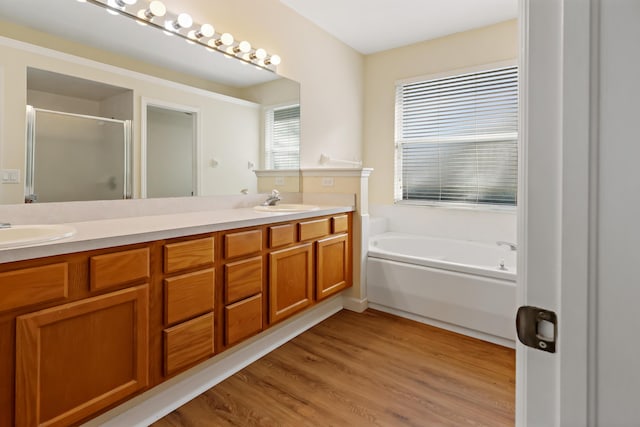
(161, 400)
(355, 304)
(444, 325)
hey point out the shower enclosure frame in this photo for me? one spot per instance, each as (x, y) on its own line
(29, 195)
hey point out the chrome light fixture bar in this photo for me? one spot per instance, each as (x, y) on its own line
(155, 14)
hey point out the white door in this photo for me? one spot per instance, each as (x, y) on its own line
(579, 205)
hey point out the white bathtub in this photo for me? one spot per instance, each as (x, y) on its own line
(465, 286)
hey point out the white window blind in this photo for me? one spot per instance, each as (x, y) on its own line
(282, 138)
(456, 138)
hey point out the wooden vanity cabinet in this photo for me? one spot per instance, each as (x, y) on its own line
(244, 283)
(83, 332)
(188, 303)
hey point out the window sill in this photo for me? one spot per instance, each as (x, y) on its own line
(457, 206)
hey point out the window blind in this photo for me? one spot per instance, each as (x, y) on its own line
(456, 138)
(282, 138)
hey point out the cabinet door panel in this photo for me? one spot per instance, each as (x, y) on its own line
(242, 279)
(188, 343)
(188, 295)
(243, 319)
(290, 281)
(332, 272)
(75, 359)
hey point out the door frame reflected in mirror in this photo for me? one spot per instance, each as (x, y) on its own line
(145, 103)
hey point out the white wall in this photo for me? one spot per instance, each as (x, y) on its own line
(463, 224)
(618, 290)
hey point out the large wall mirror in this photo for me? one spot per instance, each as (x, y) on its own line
(95, 106)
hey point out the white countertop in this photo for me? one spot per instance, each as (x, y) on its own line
(124, 231)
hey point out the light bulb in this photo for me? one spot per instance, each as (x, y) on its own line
(275, 60)
(184, 21)
(156, 8)
(206, 30)
(259, 54)
(243, 46)
(225, 39)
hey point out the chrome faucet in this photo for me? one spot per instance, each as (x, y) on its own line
(512, 246)
(5, 225)
(272, 199)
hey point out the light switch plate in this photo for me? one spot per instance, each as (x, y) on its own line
(10, 176)
(327, 181)
(279, 180)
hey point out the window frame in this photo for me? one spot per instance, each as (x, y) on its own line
(266, 131)
(397, 174)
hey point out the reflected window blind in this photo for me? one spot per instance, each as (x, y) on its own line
(282, 138)
(456, 139)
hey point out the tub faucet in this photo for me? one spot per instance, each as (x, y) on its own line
(512, 246)
(272, 199)
(5, 225)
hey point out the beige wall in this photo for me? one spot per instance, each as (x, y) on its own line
(330, 72)
(486, 45)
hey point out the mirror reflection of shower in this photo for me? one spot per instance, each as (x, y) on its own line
(74, 157)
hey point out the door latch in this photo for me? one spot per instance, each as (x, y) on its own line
(537, 328)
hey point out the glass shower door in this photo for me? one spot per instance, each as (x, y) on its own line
(72, 157)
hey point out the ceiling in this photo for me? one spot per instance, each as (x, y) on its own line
(371, 26)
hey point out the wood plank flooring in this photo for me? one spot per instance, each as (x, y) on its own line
(369, 369)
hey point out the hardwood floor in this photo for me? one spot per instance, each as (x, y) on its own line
(365, 369)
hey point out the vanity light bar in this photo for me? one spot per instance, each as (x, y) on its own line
(155, 14)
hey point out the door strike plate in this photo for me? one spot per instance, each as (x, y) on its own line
(528, 325)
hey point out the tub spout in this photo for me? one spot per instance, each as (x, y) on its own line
(512, 246)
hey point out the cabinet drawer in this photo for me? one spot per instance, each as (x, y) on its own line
(188, 295)
(191, 254)
(188, 343)
(119, 268)
(242, 243)
(242, 279)
(35, 285)
(340, 224)
(281, 235)
(243, 319)
(313, 229)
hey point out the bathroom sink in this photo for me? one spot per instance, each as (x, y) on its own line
(286, 207)
(20, 235)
